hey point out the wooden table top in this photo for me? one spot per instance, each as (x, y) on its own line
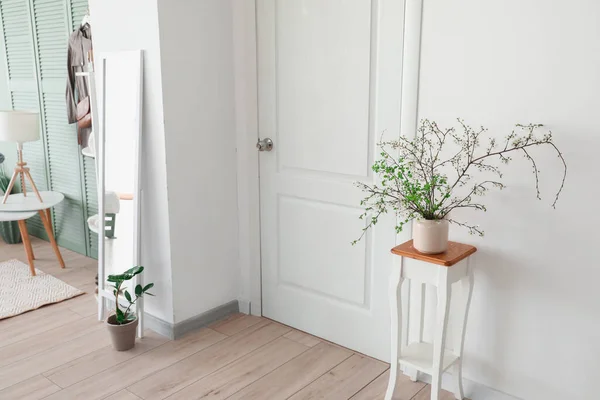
(456, 252)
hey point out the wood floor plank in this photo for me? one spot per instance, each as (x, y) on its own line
(76, 275)
(51, 344)
(14, 323)
(47, 340)
(235, 324)
(406, 389)
(36, 326)
(123, 395)
(86, 305)
(170, 380)
(26, 318)
(296, 374)
(52, 358)
(38, 318)
(100, 360)
(239, 374)
(225, 320)
(343, 381)
(113, 380)
(375, 390)
(34, 388)
(303, 338)
(425, 394)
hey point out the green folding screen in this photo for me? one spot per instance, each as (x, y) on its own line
(34, 37)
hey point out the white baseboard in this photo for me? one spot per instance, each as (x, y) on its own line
(245, 306)
(473, 390)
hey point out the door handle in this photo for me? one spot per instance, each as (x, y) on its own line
(265, 144)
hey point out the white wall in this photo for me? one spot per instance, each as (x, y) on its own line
(199, 109)
(132, 25)
(535, 320)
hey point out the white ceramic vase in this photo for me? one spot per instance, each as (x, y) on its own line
(430, 236)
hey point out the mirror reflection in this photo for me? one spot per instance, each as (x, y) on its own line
(118, 77)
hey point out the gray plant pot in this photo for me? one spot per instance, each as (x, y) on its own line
(122, 336)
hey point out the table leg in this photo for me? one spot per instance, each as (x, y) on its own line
(28, 241)
(37, 193)
(466, 285)
(48, 215)
(45, 216)
(27, 245)
(396, 326)
(13, 179)
(439, 337)
(416, 294)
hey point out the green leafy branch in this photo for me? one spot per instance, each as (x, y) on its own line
(118, 280)
(414, 179)
(4, 178)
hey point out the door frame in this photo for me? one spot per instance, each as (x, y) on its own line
(247, 132)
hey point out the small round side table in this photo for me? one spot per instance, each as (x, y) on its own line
(20, 208)
(440, 270)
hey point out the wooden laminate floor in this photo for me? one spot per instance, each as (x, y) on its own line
(62, 352)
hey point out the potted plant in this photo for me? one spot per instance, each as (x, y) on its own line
(9, 230)
(424, 179)
(122, 324)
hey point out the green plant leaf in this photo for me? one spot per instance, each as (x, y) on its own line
(148, 287)
(139, 290)
(128, 296)
(134, 271)
(4, 182)
(120, 316)
(119, 278)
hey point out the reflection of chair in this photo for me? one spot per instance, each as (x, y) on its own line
(111, 199)
(109, 225)
(112, 206)
(90, 150)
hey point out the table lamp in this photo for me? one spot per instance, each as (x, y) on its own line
(20, 127)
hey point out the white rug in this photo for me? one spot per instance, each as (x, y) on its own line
(20, 292)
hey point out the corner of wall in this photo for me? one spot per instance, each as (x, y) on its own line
(247, 177)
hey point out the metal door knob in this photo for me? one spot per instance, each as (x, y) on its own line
(265, 144)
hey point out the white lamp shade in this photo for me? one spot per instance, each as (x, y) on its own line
(19, 126)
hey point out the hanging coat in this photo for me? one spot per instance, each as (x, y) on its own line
(80, 44)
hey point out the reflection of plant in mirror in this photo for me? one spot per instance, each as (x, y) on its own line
(4, 179)
(126, 316)
(416, 180)
(9, 230)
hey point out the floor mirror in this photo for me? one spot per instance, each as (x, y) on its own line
(119, 84)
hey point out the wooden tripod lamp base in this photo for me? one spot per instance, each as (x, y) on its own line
(21, 171)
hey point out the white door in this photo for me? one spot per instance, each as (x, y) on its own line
(329, 85)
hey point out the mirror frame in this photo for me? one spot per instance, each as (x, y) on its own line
(135, 57)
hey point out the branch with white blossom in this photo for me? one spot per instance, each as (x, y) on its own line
(413, 179)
